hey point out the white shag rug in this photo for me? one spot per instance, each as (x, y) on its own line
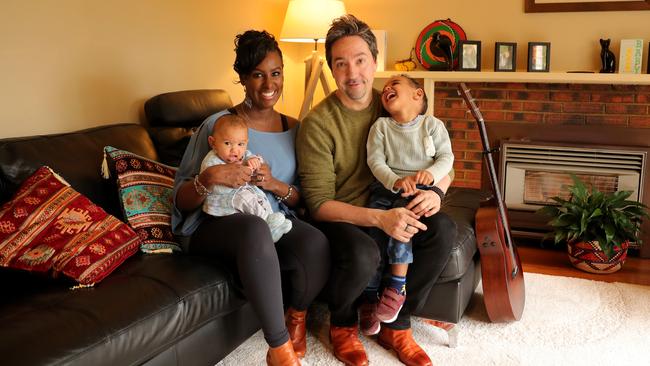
(566, 321)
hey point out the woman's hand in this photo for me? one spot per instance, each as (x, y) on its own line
(424, 203)
(264, 179)
(230, 175)
(400, 223)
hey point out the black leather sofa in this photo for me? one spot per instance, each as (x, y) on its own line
(156, 309)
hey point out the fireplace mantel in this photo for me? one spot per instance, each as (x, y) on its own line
(522, 77)
(431, 77)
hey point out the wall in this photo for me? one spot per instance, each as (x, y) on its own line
(573, 36)
(73, 64)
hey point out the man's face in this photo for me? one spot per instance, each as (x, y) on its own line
(353, 69)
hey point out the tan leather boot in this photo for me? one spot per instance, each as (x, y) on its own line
(297, 328)
(282, 356)
(347, 346)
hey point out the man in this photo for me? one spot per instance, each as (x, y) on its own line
(335, 177)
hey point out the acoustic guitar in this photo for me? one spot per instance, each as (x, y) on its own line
(502, 275)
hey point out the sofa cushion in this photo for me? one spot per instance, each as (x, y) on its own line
(77, 156)
(186, 108)
(173, 116)
(148, 304)
(50, 226)
(145, 188)
(461, 205)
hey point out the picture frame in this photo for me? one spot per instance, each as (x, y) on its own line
(546, 6)
(469, 55)
(539, 56)
(630, 59)
(648, 61)
(505, 56)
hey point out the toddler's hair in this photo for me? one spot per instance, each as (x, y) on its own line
(414, 83)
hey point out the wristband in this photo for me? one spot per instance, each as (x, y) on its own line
(439, 192)
(199, 187)
(286, 196)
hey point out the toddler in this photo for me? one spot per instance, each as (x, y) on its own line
(406, 152)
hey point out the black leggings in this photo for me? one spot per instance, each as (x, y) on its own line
(356, 257)
(243, 243)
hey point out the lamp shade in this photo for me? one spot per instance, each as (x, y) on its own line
(309, 20)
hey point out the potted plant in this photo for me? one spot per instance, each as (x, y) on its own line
(597, 227)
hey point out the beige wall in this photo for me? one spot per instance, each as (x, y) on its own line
(71, 64)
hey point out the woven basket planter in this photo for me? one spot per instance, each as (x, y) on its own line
(588, 256)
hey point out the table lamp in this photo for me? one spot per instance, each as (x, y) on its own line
(309, 21)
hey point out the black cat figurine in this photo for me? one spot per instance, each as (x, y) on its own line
(607, 57)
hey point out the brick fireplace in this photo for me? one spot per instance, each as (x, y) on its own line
(591, 114)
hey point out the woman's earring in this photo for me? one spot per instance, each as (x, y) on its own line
(248, 102)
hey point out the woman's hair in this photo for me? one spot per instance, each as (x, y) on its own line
(251, 47)
(345, 26)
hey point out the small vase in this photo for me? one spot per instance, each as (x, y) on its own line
(588, 256)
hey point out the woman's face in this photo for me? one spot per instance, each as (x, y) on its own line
(264, 83)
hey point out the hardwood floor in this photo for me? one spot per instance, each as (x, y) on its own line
(555, 262)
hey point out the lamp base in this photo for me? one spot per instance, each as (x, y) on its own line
(313, 73)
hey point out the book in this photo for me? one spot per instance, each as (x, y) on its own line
(631, 56)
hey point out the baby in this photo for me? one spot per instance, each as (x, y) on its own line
(229, 141)
(407, 151)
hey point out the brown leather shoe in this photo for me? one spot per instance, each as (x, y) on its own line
(402, 342)
(295, 321)
(282, 356)
(347, 346)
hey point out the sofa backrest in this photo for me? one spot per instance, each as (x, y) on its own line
(76, 156)
(172, 118)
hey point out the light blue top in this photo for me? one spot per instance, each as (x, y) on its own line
(277, 149)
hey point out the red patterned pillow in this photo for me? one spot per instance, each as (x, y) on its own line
(146, 188)
(47, 225)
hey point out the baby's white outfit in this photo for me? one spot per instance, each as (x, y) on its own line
(248, 199)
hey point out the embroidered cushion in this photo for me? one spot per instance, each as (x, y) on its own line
(47, 225)
(145, 189)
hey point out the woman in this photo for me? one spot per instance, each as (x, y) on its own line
(243, 240)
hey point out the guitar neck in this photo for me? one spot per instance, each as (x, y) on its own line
(487, 152)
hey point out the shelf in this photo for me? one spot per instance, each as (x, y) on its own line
(431, 77)
(523, 77)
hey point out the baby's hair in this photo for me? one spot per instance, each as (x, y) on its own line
(229, 120)
(414, 83)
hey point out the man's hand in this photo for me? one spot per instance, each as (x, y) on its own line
(425, 203)
(400, 223)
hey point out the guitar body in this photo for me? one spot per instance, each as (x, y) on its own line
(502, 276)
(503, 293)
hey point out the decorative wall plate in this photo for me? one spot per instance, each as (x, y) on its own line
(437, 45)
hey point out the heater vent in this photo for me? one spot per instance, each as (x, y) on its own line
(574, 157)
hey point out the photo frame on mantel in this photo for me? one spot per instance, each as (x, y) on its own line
(550, 6)
(539, 56)
(505, 56)
(469, 55)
